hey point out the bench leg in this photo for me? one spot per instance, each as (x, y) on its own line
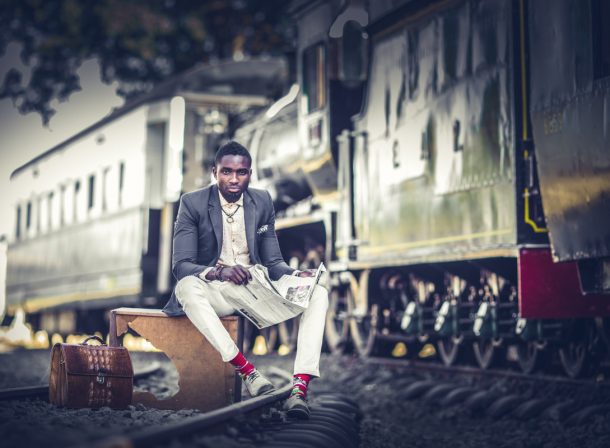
(240, 347)
(114, 339)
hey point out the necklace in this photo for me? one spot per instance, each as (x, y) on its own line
(230, 219)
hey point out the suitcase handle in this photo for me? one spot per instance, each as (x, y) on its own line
(97, 338)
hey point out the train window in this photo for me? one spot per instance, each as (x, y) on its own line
(121, 182)
(600, 28)
(354, 53)
(75, 204)
(62, 205)
(50, 211)
(38, 214)
(314, 79)
(451, 47)
(28, 216)
(91, 199)
(18, 224)
(105, 173)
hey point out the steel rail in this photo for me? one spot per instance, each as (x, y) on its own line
(21, 393)
(471, 370)
(192, 425)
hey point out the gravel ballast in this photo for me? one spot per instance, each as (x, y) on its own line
(400, 407)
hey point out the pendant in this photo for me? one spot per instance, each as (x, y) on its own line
(230, 220)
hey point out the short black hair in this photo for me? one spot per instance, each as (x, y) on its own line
(232, 148)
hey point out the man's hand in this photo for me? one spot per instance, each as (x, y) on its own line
(308, 273)
(236, 274)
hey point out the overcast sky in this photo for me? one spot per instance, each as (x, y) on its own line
(23, 137)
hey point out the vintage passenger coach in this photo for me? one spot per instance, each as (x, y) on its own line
(94, 215)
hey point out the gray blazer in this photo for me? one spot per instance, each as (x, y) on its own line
(198, 236)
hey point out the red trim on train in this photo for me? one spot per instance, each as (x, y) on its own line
(549, 290)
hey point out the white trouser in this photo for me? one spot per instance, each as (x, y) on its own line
(204, 304)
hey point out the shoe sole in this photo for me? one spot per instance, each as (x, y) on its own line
(299, 413)
(265, 390)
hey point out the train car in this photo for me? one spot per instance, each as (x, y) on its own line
(93, 216)
(442, 145)
(570, 118)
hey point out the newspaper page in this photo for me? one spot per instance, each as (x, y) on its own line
(266, 302)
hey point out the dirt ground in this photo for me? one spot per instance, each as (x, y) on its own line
(399, 407)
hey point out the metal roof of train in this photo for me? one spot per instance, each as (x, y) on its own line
(257, 76)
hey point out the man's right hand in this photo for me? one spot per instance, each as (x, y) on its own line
(236, 274)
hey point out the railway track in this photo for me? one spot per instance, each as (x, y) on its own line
(334, 420)
(424, 366)
(499, 394)
(333, 423)
(401, 404)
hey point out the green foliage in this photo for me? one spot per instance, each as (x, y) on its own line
(136, 42)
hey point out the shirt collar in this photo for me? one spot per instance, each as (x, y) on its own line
(225, 203)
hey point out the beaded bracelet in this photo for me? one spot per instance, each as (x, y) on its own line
(218, 272)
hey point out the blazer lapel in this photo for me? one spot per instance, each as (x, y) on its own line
(216, 216)
(249, 220)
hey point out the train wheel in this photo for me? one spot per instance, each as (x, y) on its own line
(288, 332)
(259, 342)
(449, 349)
(336, 329)
(530, 356)
(575, 353)
(603, 333)
(271, 338)
(488, 353)
(249, 336)
(365, 334)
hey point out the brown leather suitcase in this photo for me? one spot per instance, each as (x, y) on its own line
(90, 376)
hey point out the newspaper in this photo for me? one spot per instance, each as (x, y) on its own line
(266, 302)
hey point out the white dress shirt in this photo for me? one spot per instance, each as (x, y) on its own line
(234, 243)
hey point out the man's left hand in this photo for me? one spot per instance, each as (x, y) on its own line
(308, 273)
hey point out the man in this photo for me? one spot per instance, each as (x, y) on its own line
(220, 231)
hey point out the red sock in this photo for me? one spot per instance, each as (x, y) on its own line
(242, 365)
(300, 381)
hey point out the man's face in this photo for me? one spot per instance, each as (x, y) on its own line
(233, 176)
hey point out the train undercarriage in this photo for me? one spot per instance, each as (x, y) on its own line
(472, 318)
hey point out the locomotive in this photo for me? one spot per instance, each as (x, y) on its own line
(445, 158)
(453, 154)
(93, 216)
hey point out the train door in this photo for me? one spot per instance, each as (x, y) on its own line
(155, 139)
(352, 223)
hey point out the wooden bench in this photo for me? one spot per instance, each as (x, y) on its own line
(206, 382)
